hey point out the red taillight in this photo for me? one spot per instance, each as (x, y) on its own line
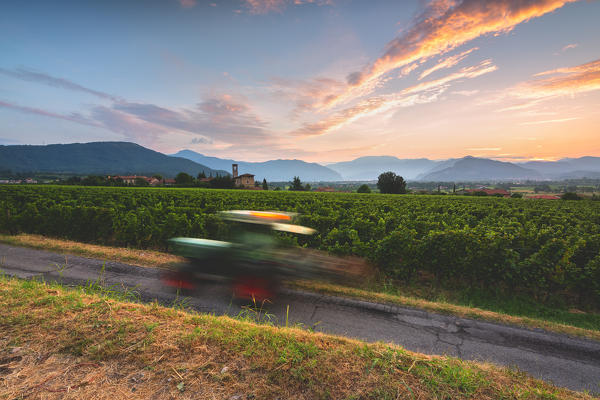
(179, 281)
(253, 289)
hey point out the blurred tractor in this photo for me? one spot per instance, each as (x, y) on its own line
(255, 261)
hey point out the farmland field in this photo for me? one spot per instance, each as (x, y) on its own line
(544, 248)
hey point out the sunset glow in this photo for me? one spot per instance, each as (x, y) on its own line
(318, 80)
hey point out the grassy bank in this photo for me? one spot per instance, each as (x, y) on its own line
(511, 311)
(69, 343)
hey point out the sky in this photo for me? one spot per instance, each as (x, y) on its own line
(318, 80)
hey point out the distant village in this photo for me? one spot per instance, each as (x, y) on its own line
(246, 181)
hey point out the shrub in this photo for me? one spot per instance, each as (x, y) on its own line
(364, 188)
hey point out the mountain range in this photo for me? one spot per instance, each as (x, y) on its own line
(126, 158)
(467, 169)
(479, 169)
(369, 168)
(96, 158)
(272, 171)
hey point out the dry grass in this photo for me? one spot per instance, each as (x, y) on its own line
(142, 258)
(152, 258)
(59, 343)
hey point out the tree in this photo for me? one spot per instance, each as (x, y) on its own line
(389, 182)
(222, 182)
(73, 180)
(93, 180)
(184, 179)
(296, 184)
(364, 188)
(201, 175)
(570, 196)
(158, 176)
(265, 186)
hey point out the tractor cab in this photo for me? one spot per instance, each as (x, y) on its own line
(254, 260)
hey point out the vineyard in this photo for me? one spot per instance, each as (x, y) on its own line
(545, 248)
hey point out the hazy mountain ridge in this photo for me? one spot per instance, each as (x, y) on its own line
(127, 158)
(96, 158)
(467, 169)
(272, 170)
(565, 168)
(369, 168)
(481, 169)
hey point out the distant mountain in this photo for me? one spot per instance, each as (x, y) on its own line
(480, 169)
(369, 168)
(566, 167)
(579, 175)
(272, 171)
(97, 158)
(440, 166)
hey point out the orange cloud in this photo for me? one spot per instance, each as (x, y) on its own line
(562, 81)
(443, 26)
(447, 63)
(412, 95)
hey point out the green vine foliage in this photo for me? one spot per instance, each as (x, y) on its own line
(542, 247)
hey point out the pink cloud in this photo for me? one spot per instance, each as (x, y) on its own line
(570, 46)
(187, 3)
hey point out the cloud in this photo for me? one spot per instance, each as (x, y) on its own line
(466, 92)
(570, 46)
(445, 25)
(484, 149)
(561, 81)
(217, 118)
(220, 118)
(201, 140)
(264, 6)
(128, 125)
(268, 6)
(549, 121)
(520, 106)
(424, 92)
(484, 67)
(306, 94)
(447, 62)
(187, 3)
(29, 75)
(408, 69)
(73, 117)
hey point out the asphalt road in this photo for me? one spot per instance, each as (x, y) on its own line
(570, 362)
